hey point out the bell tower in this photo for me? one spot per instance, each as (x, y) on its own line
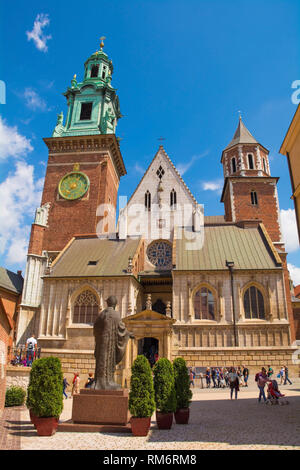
(82, 177)
(250, 192)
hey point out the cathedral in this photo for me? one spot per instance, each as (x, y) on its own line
(214, 290)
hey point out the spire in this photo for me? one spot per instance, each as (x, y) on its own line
(241, 136)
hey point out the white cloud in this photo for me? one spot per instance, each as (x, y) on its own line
(37, 35)
(33, 100)
(289, 229)
(20, 194)
(294, 273)
(184, 167)
(139, 169)
(215, 185)
(12, 144)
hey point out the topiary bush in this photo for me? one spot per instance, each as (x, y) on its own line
(45, 389)
(164, 386)
(141, 397)
(182, 383)
(15, 396)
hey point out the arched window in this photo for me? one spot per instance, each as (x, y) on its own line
(250, 161)
(148, 200)
(94, 71)
(254, 200)
(233, 165)
(173, 198)
(254, 303)
(204, 304)
(85, 308)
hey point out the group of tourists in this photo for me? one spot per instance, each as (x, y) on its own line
(76, 384)
(28, 355)
(219, 377)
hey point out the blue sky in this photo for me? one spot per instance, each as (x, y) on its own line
(183, 70)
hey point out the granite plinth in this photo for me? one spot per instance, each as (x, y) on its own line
(109, 407)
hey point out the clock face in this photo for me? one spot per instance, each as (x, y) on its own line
(73, 185)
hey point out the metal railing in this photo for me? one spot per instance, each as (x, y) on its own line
(18, 356)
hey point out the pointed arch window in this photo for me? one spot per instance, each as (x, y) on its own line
(254, 200)
(250, 161)
(86, 307)
(173, 198)
(148, 200)
(233, 165)
(254, 303)
(204, 304)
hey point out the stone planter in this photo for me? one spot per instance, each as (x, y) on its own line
(140, 426)
(182, 416)
(164, 420)
(46, 426)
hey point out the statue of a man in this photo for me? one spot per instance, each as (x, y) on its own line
(111, 337)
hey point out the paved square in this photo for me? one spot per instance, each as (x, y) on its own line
(216, 422)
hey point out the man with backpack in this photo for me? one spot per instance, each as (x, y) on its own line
(31, 346)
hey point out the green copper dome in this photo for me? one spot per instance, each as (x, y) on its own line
(93, 105)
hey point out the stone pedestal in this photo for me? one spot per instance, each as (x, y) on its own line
(99, 410)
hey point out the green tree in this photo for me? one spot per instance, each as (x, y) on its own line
(182, 383)
(141, 396)
(45, 390)
(164, 386)
(15, 396)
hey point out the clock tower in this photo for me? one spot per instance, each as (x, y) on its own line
(82, 178)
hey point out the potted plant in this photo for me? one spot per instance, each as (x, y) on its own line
(183, 392)
(15, 396)
(141, 396)
(45, 395)
(165, 395)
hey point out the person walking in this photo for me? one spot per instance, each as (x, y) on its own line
(281, 375)
(286, 376)
(76, 384)
(213, 376)
(270, 372)
(65, 385)
(245, 375)
(262, 379)
(233, 379)
(31, 346)
(192, 376)
(207, 377)
(90, 381)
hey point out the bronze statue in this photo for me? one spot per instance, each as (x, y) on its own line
(111, 337)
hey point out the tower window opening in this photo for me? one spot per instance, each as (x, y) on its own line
(264, 165)
(233, 165)
(173, 198)
(148, 200)
(86, 111)
(254, 200)
(94, 71)
(250, 161)
(103, 72)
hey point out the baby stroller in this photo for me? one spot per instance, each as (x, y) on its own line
(275, 397)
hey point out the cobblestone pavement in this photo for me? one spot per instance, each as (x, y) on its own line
(216, 422)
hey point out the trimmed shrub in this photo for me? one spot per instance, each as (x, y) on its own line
(45, 390)
(164, 386)
(15, 396)
(182, 383)
(141, 397)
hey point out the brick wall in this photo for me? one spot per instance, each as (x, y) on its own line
(4, 339)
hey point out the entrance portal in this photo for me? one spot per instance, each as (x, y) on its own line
(149, 348)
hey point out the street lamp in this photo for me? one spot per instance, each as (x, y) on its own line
(230, 266)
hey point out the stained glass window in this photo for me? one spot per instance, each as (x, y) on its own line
(85, 308)
(160, 254)
(254, 303)
(204, 304)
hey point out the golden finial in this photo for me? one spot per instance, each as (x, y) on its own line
(75, 76)
(76, 167)
(102, 43)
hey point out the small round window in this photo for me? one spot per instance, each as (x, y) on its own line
(160, 254)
